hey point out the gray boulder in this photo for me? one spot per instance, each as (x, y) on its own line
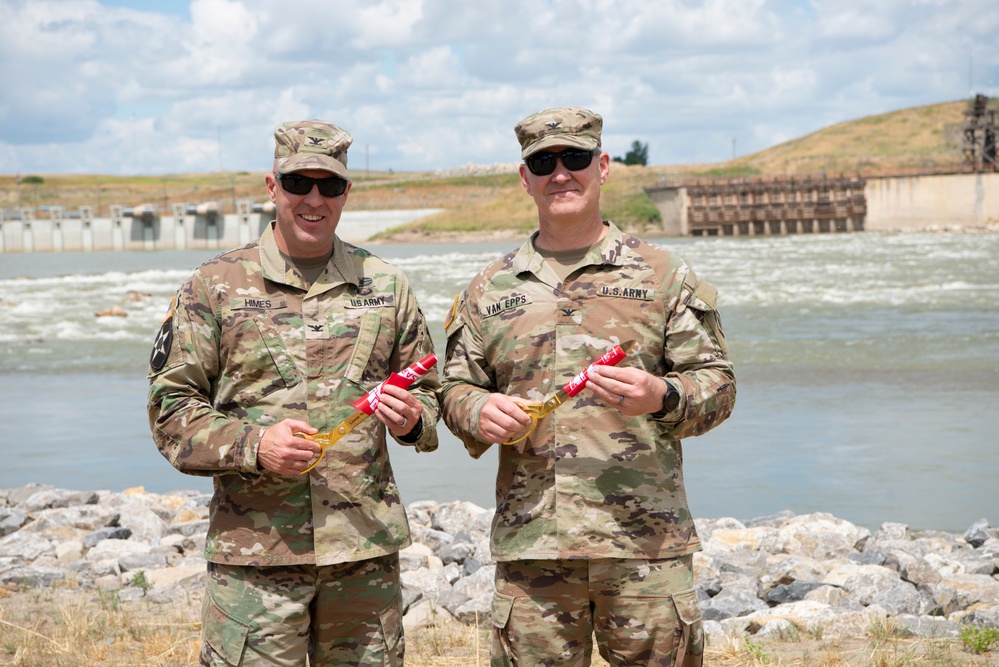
(11, 521)
(732, 601)
(978, 533)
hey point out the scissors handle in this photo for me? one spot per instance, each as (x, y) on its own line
(533, 410)
(538, 410)
(330, 438)
(324, 440)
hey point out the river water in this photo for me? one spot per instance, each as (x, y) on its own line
(867, 367)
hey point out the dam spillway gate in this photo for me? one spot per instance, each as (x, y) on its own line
(755, 206)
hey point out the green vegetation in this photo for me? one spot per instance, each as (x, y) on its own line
(757, 654)
(918, 137)
(639, 154)
(139, 581)
(634, 209)
(977, 638)
(727, 171)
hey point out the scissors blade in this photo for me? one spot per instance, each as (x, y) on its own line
(562, 395)
(330, 438)
(552, 402)
(538, 411)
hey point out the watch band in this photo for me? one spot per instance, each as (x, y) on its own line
(671, 401)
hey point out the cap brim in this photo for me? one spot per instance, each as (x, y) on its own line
(302, 162)
(557, 140)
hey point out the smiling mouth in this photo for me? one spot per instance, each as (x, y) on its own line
(310, 218)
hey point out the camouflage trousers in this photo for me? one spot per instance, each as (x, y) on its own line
(345, 614)
(642, 612)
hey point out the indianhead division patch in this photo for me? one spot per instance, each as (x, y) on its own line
(164, 339)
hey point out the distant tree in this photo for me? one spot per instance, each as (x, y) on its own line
(639, 154)
(36, 180)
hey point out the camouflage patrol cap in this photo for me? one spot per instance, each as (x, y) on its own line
(563, 126)
(311, 144)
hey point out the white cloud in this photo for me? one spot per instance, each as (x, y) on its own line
(425, 84)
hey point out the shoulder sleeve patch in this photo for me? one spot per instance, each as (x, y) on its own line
(451, 314)
(702, 294)
(707, 293)
(454, 320)
(164, 341)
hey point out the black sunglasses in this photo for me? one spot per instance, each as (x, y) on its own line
(296, 184)
(574, 159)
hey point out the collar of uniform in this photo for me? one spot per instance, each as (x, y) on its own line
(608, 251)
(343, 262)
(340, 269)
(527, 258)
(611, 250)
(272, 263)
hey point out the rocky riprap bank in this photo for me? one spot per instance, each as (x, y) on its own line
(775, 576)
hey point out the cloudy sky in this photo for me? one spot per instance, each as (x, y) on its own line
(165, 86)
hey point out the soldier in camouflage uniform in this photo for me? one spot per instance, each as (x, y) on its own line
(592, 533)
(263, 344)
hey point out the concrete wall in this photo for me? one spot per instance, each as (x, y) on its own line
(128, 233)
(909, 203)
(894, 203)
(144, 230)
(672, 205)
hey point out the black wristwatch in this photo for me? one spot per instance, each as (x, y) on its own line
(671, 401)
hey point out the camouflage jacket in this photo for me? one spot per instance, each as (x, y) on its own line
(247, 345)
(589, 482)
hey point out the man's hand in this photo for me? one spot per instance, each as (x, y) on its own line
(399, 410)
(285, 453)
(630, 390)
(502, 419)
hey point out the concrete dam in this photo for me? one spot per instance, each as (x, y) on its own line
(189, 227)
(732, 207)
(816, 204)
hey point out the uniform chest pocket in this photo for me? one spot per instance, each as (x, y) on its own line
(255, 358)
(364, 367)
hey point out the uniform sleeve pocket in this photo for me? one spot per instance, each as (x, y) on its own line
(225, 634)
(501, 608)
(704, 302)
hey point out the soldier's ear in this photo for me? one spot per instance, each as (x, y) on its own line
(525, 180)
(271, 182)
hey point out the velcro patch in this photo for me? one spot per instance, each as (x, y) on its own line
(382, 301)
(504, 304)
(164, 341)
(257, 303)
(640, 293)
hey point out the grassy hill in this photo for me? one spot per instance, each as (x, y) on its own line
(926, 137)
